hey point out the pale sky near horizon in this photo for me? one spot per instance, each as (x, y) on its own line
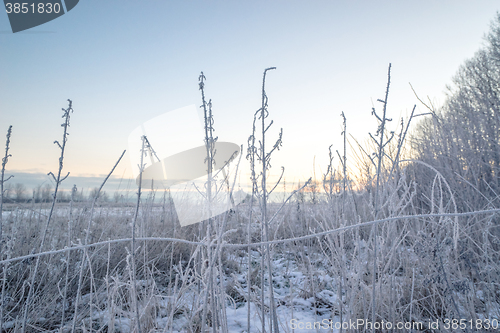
(126, 62)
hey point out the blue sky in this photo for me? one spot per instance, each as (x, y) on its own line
(125, 62)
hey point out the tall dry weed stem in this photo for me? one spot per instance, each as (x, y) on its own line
(5, 159)
(58, 180)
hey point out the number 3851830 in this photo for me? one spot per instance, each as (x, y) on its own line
(40, 8)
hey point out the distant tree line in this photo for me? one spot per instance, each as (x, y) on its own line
(19, 193)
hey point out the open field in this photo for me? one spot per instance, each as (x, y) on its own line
(428, 268)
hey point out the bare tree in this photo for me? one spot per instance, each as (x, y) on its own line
(19, 192)
(462, 140)
(45, 193)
